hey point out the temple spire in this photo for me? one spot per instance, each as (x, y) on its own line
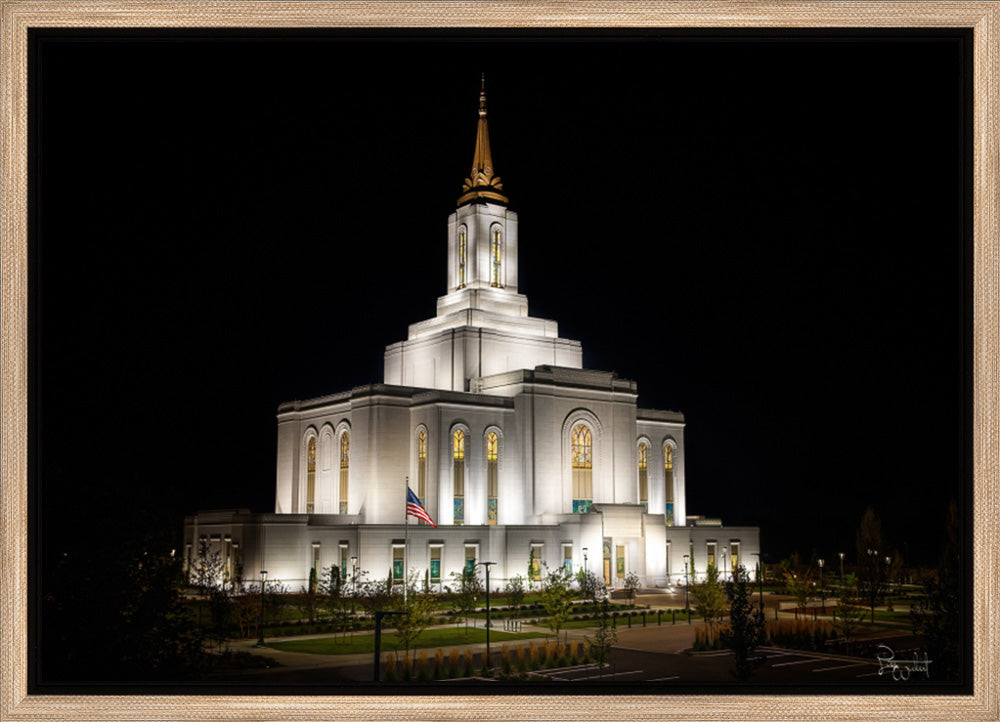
(482, 183)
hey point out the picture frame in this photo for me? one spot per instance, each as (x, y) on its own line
(18, 17)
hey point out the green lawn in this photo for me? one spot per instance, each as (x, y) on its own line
(357, 644)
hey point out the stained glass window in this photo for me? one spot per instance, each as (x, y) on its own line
(470, 557)
(492, 472)
(643, 478)
(435, 564)
(606, 550)
(311, 476)
(461, 257)
(711, 554)
(582, 462)
(495, 243)
(536, 563)
(668, 481)
(734, 556)
(458, 462)
(422, 469)
(397, 564)
(620, 561)
(345, 458)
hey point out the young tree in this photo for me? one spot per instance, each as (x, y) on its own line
(416, 616)
(746, 624)
(631, 587)
(937, 617)
(871, 564)
(470, 586)
(847, 617)
(605, 635)
(557, 598)
(329, 589)
(591, 586)
(514, 589)
(799, 584)
(709, 600)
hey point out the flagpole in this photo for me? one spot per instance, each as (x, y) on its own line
(406, 534)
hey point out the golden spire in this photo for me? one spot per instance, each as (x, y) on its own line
(481, 182)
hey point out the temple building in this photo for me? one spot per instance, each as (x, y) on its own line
(519, 454)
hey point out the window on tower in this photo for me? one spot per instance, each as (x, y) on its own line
(422, 469)
(461, 256)
(492, 464)
(345, 459)
(311, 476)
(496, 241)
(643, 478)
(458, 464)
(668, 480)
(583, 468)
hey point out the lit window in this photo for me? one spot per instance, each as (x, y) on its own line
(734, 556)
(668, 476)
(461, 257)
(458, 463)
(436, 564)
(643, 479)
(582, 448)
(397, 564)
(606, 552)
(711, 554)
(345, 459)
(495, 243)
(470, 557)
(535, 562)
(492, 464)
(620, 561)
(422, 470)
(311, 476)
(568, 559)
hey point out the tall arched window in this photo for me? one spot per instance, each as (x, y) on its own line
(345, 462)
(311, 476)
(461, 256)
(458, 461)
(496, 240)
(643, 478)
(422, 469)
(668, 480)
(492, 468)
(583, 468)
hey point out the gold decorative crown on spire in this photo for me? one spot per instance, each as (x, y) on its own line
(481, 183)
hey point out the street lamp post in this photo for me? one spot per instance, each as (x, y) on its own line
(687, 606)
(760, 578)
(888, 582)
(487, 565)
(263, 580)
(872, 573)
(586, 568)
(841, 555)
(822, 592)
(354, 582)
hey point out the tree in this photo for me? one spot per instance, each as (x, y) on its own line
(871, 567)
(709, 600)
(329, 589)
(514, 589)
(470, 586)
(799, 584)
(937, 617)
(605, 635)
(631, 586)
(746, 624)
(416, 616)
(848, 615)
(591, 586)
(557, 598)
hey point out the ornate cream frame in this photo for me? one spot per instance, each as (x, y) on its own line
(20, 15)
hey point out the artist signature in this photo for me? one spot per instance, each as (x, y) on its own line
(901, 669)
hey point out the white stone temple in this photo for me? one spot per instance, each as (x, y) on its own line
(519, 454)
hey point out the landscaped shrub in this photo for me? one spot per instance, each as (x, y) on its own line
(453, 663)
(505, 667)
(389, 673)
(467, 658)
(533, 656)
(574, 648)
(438, 663)
(407, 667)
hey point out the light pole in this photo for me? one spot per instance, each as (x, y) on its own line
(822, 593)
(888, 582)
(723, 565)
(760, 578)
(841, 555)
(687, 606)
(586, 568)
(487, 565)
(263, 580)
(354, 582)
(872, 573)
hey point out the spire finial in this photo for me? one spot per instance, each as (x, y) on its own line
(481, 183)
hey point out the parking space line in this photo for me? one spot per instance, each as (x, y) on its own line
(869, 674)
(843, 666)
(801, 661)
(663, 679)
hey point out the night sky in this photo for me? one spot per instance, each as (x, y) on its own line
(764, 233)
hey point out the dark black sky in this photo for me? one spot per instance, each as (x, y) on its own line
(764, 233)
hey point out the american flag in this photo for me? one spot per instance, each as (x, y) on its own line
(415, 508)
